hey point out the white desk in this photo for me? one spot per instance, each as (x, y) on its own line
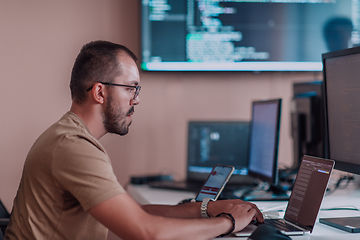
(340, 198)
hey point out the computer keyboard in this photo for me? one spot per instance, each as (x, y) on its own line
(281, 225)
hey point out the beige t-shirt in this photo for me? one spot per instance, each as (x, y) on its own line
(66, 172)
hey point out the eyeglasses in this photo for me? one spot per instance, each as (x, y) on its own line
(137, 88)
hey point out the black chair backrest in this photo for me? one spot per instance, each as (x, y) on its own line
(4, 213)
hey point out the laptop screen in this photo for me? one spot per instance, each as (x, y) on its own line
(308, 192)
(216, 142)
(264, 139)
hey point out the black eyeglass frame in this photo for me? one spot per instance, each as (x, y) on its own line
(120, 85)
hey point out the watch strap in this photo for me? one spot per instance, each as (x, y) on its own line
(204, 206)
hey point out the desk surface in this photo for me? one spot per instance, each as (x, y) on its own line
(339, 199)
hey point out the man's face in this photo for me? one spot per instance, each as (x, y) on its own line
(115, 118)
(119, 105)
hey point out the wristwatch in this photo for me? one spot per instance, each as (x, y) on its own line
(203, 207)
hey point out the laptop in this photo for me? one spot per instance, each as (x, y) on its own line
(210, 143)
(305, 200)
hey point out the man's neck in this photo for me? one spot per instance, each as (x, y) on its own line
(91, 118)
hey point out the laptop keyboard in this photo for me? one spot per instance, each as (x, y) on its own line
(282, 225)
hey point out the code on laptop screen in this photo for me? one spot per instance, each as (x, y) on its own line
(308, 192)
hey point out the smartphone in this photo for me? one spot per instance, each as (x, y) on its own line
(215, 183)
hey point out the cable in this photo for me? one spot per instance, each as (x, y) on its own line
(338, 185)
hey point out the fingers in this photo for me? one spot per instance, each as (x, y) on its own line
(250, 212)
(255, 214)
(258, 216)
(244, 214)
(226, 206)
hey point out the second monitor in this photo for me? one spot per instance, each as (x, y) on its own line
(263, 151)
(264, 140)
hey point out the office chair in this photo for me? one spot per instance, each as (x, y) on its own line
(4, 219)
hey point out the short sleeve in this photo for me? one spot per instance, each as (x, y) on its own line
(84, 171)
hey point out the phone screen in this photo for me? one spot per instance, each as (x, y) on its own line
(215, 182)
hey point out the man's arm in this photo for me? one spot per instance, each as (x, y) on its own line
(192, 209)
(125, 217)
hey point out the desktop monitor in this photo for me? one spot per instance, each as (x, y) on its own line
(217, 142)
(264, 140)
(342, 108)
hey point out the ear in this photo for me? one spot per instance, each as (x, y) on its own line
(98, 93)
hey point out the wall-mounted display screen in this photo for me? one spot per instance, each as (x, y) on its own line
(245, 35)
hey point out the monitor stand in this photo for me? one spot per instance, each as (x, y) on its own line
(273, 193)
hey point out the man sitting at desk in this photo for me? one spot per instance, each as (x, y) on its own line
(68, 189)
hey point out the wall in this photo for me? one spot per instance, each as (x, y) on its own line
(39, 41)
(168, 101)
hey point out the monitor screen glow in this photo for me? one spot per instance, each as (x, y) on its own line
(236, 35)
(264, 140)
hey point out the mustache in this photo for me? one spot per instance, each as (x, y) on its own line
(132, 110)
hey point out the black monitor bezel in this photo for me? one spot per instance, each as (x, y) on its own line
(273, 180)
(339, 164)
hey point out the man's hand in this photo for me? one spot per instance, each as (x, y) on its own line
(243, 212)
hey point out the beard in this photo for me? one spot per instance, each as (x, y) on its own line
(114, 119)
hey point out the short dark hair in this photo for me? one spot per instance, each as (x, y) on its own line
(96, 62)
(337, 33)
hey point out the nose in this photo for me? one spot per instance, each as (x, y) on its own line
(136, 101)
